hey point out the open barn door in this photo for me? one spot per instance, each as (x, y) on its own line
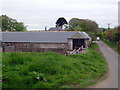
(77, 43)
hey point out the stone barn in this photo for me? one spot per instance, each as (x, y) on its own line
(44, 41)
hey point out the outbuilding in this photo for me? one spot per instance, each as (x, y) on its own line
(44, 41)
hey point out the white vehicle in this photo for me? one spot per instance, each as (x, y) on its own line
(98, 38)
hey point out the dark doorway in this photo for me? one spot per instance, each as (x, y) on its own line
(77, 43)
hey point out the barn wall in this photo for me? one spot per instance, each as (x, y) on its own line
(39, 47)
(70, 44)
(49, 45)
(87, 42)
(34, 47)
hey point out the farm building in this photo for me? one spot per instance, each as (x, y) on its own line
(44, 41)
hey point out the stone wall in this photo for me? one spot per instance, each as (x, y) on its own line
(34, 47)
(70, 44)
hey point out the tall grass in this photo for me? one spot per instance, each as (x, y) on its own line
(46, 70)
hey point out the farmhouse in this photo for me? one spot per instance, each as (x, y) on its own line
(44, 41)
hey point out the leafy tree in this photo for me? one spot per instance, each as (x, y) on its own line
(83, 25)
(61, 22)
(74, 23)
(116, 37)
(112, 35)
(118, 28)
(104, 35)
(9, 24)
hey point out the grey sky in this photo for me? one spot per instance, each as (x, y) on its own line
(37, 14)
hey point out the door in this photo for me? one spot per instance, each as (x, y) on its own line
(77, 43)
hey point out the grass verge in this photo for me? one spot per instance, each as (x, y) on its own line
(113, 45)
(52, 70)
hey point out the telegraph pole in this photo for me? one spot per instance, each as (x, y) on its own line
(45, 28)
(108, 25)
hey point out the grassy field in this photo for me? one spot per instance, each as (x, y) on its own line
(47, 70)
(112, 45)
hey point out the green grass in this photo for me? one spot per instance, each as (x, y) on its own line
(48, 70)
(112, 45)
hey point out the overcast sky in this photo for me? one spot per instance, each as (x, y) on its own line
(37, 14)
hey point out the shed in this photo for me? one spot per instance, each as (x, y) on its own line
(43, 41)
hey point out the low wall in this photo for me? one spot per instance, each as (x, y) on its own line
(35, 47)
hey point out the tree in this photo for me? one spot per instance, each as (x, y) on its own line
(61, 22)
(83, 24)
(74, 23)
(116, 37)
(9, 24)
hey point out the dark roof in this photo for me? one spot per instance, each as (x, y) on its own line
(55, 29)
(43, 37)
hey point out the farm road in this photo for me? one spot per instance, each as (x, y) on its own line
(112, 59)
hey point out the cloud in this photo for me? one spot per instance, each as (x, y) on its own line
(37, 14)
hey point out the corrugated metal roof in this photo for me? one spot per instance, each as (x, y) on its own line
(43, 37)
(78, 35)
(86, 35)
